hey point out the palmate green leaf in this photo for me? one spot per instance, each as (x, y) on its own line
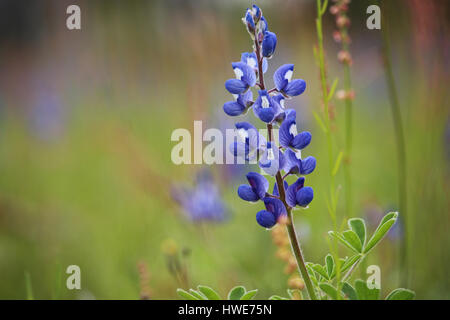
(401, 294)
(197, 294)
(329, 290)
(249, 294)
(386, 223)
(349, 291)
(364, 293)
(320, 270)
(312, 273)
(236, 293)
(330, 265)
(352, 238)
(359, 227)
(276, 297)
(209, 293)
(186, 295)
(342, 240)
(350, 262)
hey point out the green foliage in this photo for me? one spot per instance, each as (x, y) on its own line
(207, 293)
(323, 276)
(401, 294)
(236, 293)
(364, 292)
(355, 237)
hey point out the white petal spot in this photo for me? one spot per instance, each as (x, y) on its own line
(239, 74)
(282, 103)
(298, 154)
(251, 62)
(243, 134)
(265, 102)
(235, 96)
(293, 129)
(288, 75)
(270, 155)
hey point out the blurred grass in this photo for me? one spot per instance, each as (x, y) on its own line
(97, 194)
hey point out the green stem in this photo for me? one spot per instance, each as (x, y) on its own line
(400, 142)
(323, 77)
(348, 141)
(295, 245)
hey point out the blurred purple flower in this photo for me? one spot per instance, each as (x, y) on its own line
(203, 202)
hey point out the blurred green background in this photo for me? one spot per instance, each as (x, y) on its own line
(85, 123)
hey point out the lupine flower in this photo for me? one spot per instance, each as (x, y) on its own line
(274, 210)
(295, 164)
(288, 133)
(265, 108)
(250, 59)
(256, 190)
(245, 78)
(298, 194)
(203, 202)
(284, 84)
(269, 44)
(272, 159)
(250, 142)
(269, 107)
(240, 105)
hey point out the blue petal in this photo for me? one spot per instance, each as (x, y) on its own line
(255, 140)
(240, 149)
(275, 188)
(295, 87)
(249, 21)
(232, 108)
(263, 24)
(259, 184)
(291, 114)
(301, 140)
(305, 196)
(247, 73)
(269, 44)
(265, 65)
(285, 136)
(308, 165)
(265, 219)
(246, 193)
(249, 58)
(270, 166)
(235, 86)
(275, 206)
(265, 114)
(257, 13)
(292, 191)
(244, 98)
(279, 76)
(293, 164)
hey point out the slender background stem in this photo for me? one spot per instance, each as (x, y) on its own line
(400, 142)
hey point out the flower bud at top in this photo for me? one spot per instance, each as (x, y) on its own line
(257, 13)
(269, 44)
(249, 22)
